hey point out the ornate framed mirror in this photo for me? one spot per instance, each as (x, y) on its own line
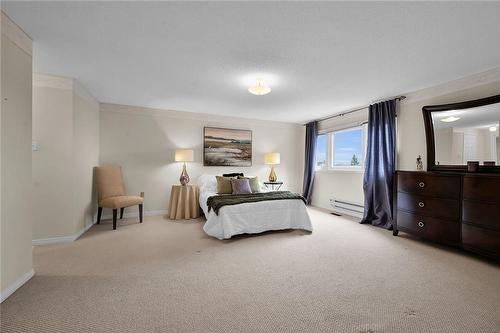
(461, 132)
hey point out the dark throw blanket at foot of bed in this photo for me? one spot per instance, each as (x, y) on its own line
(216, 202)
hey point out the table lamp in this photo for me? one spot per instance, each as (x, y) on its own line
(272, 159)
(184, 155)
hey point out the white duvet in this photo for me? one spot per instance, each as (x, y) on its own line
(250, 218)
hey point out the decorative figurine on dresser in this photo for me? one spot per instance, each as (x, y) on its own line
(420, 165)
(452, 203)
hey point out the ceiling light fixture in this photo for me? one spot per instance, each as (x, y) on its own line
(260, 88)
(450, 119)
(493, 129)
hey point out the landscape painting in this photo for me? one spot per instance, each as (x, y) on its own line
(227, 147)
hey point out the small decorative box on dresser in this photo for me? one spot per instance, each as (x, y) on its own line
(451, 208)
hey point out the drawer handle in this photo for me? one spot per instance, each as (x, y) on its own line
(421, 224)
(421, 184)
(421, 204)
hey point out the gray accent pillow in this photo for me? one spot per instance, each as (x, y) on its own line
(241, 186)
(254, 183)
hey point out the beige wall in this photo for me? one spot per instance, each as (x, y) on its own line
(411, 134)
(16, 208)
(52, 174)
(85, 156)
(143, 142)
(66, 128)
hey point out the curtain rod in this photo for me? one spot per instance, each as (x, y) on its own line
(398, 98)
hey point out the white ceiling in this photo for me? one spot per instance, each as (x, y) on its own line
(478, 117)
(319, 58)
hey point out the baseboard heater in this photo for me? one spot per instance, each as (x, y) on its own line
(347, 208)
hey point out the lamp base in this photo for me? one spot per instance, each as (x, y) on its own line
(184, 179)
(272, 175)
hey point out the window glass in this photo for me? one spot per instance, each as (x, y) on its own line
(321, 152)
(347, 148)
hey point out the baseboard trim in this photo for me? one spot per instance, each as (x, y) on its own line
(84, 230)
(136, 214)
(16, 285)
(62, 239)
(72, 238)
(52, 240)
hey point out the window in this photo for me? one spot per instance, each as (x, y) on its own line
(347, 148)
(321, 152)
(342, 150)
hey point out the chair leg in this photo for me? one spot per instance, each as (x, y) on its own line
(99, 214)
(121, 212)
(140, 213)
(115, 212)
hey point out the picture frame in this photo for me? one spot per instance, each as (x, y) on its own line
(227, 147)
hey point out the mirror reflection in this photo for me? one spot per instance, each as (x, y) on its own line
(467, 135)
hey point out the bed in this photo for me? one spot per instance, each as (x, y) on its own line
(250, 218)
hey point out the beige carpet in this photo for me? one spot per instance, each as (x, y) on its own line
(165, 276)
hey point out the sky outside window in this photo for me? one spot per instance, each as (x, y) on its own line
(321, 151)
(348, 147)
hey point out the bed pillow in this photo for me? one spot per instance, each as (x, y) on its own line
(235, 174)
(241, 186)
(224, 185)
(254, 183)
(207, 183)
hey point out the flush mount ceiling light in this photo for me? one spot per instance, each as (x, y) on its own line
(450, 119)
(260, 88)
(493, 129)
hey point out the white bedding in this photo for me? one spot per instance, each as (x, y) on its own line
(250, 218)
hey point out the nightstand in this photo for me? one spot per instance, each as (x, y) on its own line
(275, 186)
(184, 202)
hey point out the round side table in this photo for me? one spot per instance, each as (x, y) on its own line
(184, 202)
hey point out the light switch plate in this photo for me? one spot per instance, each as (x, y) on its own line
(35, 146)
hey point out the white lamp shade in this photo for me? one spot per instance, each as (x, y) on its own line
(272, 158)
(184, 155)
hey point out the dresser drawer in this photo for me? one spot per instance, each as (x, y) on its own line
(484, 188)
(483, 241)
(482, 214)
(433, 207)
(429, 227)
(429, 184)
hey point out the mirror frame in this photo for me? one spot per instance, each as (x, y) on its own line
(429, 133)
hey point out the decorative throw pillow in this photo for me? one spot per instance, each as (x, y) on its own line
(241, 186)
(254, 183)
(235, 174)
(224, 185)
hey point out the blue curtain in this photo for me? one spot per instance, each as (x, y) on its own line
(310, 159)
(380, 164)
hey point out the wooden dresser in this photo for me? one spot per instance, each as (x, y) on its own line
(456, 209)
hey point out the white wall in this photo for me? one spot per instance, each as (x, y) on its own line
(444, 145)
(66, 128)
(16, 208)
(342, 185)
(143, 142)
(345, 185)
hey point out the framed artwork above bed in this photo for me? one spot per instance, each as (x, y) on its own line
(227, 147)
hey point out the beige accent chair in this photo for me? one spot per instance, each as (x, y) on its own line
(111, 193)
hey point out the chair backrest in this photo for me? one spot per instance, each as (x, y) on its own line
(109, 182)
